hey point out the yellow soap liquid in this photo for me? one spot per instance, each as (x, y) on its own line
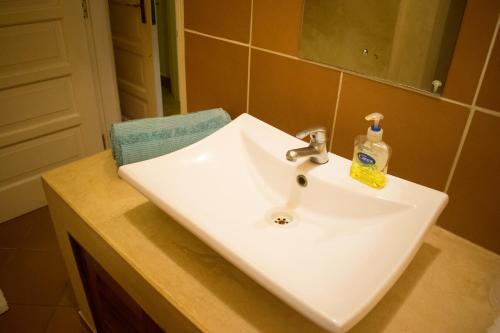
(368, 174)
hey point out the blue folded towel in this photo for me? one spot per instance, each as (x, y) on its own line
(142, 139)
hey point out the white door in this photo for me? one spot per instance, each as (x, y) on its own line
(48, 110)
(135, 44)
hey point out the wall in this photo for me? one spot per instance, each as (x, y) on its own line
(242, 56)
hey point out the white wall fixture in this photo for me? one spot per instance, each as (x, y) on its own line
(324, 243)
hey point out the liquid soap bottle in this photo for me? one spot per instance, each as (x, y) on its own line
(371, 155)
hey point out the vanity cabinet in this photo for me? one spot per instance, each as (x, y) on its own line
(129, 264)
(112, 308)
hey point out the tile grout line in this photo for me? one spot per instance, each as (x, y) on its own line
(249, 58)
(487, 111)
(486, 62)
(342, 70)
(444, 99)
(218, 38)
(335, 112)
(473, 108)
(52, 315)
(459, 150)
(284, 55)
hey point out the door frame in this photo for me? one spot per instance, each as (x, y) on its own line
(100, 40)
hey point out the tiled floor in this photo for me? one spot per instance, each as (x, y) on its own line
(33, 278)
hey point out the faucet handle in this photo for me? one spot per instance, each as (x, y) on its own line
(317, 134)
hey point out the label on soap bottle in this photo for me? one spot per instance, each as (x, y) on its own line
(366, 159)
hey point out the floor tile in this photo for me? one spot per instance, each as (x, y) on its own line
(41, 234)
(34, 277)
(12, 232)
(68, 297)
(26, 319)
(5, 256)
(66, 320)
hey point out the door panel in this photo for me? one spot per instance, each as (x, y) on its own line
(32, 156)
(128, 29)
(40, 108)
(12, 11)
(132, 106)
(21, 165)
(41, 100)
(48, 110)
(131, 69)
(136, 58)
(31, 47)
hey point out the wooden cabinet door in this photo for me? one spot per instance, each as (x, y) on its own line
(113, 310)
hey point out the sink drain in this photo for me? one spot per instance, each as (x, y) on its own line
(281, 218)
(302, 180)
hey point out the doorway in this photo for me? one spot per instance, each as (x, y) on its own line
(167, 46)
(145, 55)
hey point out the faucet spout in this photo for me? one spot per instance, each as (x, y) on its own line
(293, 154)
(316, 151)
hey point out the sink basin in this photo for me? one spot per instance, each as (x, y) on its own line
(330, 249)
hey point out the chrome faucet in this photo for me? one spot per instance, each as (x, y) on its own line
(316, 151)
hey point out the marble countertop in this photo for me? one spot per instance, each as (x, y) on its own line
(445, 288)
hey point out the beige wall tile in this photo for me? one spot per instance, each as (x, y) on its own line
(277, 25)
(291, 94)
(216, 74)
(224, 18)
(473, 211)
(424, 132)
(489, 95)
(471, 49)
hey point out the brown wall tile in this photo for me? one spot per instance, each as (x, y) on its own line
(473, 211)
(277, 25)
(489, 95)
(474, 39)
(423, 131)
(224, 18)
(216, 74)
(291, 94)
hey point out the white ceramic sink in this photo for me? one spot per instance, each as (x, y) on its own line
(347, 243)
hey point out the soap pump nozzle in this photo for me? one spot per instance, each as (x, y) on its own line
(375, 132)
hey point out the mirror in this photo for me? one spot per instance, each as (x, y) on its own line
(409, 42)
